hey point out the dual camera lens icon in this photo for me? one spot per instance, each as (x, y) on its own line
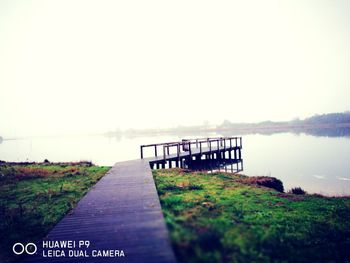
(29, 248)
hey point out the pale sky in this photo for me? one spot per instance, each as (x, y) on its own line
(78, 65)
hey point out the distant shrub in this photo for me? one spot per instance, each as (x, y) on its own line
(85, 163)
(270, 182)
(297, 191)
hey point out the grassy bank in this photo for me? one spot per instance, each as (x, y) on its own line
(226, 218)
(34, 197)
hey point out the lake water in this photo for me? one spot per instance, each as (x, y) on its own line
(317, 164)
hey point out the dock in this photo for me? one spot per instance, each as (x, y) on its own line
(188, 153)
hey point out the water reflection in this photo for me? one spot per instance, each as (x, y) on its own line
(318, 132)
(321, 131)
(216, 165)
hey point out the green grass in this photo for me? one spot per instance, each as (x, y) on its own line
(222, 218)
(34, 197)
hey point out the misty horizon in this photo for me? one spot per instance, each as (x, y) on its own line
(207, 124)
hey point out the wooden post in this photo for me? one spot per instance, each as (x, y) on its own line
(200, 148)
(155, 150)
(141, 148)
(164, 152)
(240, 141)
(218, 150)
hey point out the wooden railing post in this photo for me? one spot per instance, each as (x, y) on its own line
(164, 152)
(155, 150)
(141, 148)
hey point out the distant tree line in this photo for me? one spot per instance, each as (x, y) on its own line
(329, 118)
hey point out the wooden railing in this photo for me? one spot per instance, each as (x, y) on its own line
(214, 144)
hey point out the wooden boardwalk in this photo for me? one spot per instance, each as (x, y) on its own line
(121, 212)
